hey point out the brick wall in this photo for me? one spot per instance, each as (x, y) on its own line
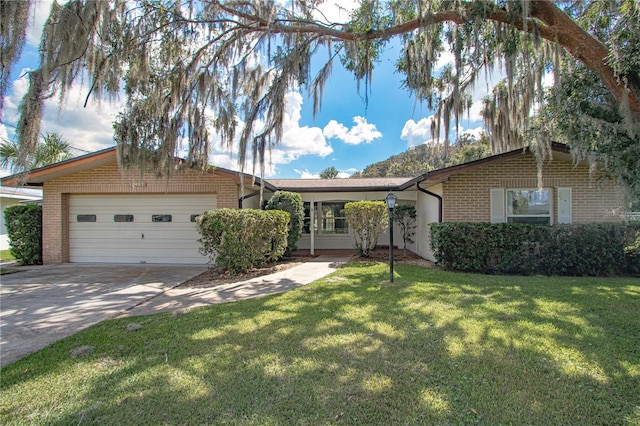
(466, 197)
(109, 179)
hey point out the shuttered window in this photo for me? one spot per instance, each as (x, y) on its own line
(528, 206)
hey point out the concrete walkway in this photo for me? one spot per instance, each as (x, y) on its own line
(184, 298)
(44, 304)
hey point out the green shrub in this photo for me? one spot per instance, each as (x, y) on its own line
(595, 249)
(632, 248)
(24, 228)
(291, 203)
(237, 240)
(368, 219)
(405, 216)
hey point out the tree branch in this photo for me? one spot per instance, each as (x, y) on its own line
(555, 26)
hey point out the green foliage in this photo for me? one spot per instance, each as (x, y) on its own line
(291, 203)
(594, 249)
(580, 109)
(178, 83)
(404, 215)
(329, 173)
(237, 240)
(51, 149)
(368, 219)
(423, 158)
(6, 255)
(588, 119)
(24, 228)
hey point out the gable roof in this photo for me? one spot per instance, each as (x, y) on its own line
(560, 151)
(91, 161)
(108, 156)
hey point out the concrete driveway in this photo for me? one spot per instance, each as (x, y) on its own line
(45, 304)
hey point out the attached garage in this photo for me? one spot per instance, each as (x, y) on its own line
(95, 211)
(136, 228)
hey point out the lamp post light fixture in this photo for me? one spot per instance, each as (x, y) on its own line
(391, 204)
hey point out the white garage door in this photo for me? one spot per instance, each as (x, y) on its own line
(136, 228)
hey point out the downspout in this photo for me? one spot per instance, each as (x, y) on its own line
(433, 194)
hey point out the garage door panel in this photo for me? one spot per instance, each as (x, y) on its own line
(150, 245)
(105, 240)
(99, 233)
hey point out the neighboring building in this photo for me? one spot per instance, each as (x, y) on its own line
(10, 196)
(94, 212)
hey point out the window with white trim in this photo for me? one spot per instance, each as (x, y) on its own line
(326, 218)
(306, 224)
(333, 218)
(528, 206)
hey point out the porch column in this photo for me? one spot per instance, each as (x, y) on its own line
(312, 210)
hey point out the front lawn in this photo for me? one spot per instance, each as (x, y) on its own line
(6, 255)
(431, 348)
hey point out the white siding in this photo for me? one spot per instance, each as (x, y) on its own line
(140, 241)
(428, 208)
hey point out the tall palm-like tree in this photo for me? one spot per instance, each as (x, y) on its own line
(51, 149)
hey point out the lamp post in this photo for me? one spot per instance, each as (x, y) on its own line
(391, 204)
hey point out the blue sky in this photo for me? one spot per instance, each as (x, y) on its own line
(348, 133)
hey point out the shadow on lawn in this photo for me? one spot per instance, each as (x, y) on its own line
(431, 348)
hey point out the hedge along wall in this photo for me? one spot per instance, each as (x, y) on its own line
(24, 227)
(290, 202)
(237, 240)
(596, 249)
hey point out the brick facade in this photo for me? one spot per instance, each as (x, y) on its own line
(466, 196)
(109, 179)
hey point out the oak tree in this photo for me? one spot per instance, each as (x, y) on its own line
(191, 68)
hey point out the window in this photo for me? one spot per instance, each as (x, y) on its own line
(86, 218)
(194, 217)
(333, 219)
(123, 218)
(528, 206)
(161, 218)
(306, 224)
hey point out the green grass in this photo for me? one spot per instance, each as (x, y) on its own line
(6, 255)
(431, 348)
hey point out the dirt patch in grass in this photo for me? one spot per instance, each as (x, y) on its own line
(381, 254)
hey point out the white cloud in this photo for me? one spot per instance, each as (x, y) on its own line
(39, 15)
(361, 132)
(87, 129)
(334, 11)
(296, 141)
(417, 133)
(476, 132)
(3, 138)
(306, 174)
(445, 58)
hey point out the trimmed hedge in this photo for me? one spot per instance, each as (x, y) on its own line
(594, 249)
(290, 202)
(237, 240)
(24, 228)
(368, 219)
